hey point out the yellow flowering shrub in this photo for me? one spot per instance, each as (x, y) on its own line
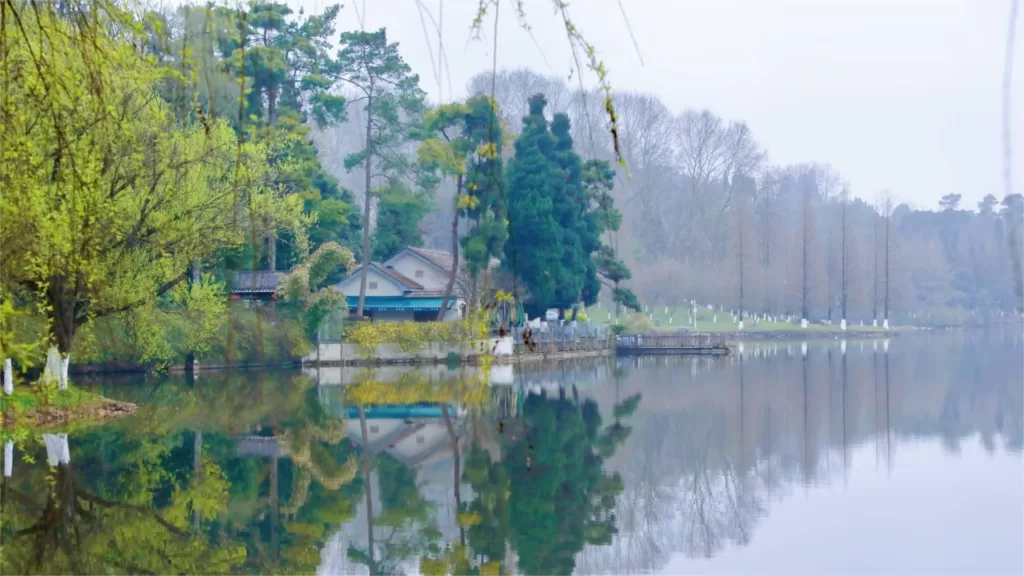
(414, 336)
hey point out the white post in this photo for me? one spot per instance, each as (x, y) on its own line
(885, 345)
(803, 348)
(8, 458)
(842, 346)
(874, 322)
(842, 324)
(8, 377)
(57, 449)
(740, 326)
(803, 322)
(885, 324)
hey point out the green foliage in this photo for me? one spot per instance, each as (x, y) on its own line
(398, 218)
(307, 290)
(558, 208)
(534, 250)
(108, 199)
(626, 298)
(563, 499)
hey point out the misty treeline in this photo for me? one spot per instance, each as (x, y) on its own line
(708, 217)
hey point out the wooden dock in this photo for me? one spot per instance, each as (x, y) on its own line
(680, 343)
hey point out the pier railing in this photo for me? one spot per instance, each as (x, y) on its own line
(564, 339)
(665, 343)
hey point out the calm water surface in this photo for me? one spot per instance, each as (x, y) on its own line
(850, 458)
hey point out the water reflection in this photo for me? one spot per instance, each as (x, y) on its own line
(590, 466)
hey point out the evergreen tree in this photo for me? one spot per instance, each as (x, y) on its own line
(534, 251)
(398, 221)
(392, 101)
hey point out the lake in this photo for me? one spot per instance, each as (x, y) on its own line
(897, 457)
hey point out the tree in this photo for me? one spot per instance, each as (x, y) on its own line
(807, 240)
(107, 199)
(398, 220)
(392, 99)
(287, 70)
(576, 208)
(308, 286)
(534, 249)
(950, 202)
(987, 205)
(598, 180)
(886, 207)
(463, 142)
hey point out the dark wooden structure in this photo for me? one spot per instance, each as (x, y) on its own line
(678, 343)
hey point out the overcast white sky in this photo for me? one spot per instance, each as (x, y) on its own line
(897, 94)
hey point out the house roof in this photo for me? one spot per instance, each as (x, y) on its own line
(406, 283)
(443, 259)
(257, 282)
(439, 258)
(401, 278)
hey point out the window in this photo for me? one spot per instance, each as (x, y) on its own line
(373, 285)
(419, 273)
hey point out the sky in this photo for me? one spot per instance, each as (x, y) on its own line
(903, 95)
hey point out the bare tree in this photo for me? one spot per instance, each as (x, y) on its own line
(885, 205)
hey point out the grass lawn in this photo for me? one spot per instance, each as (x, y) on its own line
(669, 318)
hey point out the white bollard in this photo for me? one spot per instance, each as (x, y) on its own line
(885, 324)
(874, 322)
(842, 324)
(714, 318)
(740, 326)
(803, 323)
(8, 458)
(8, 377)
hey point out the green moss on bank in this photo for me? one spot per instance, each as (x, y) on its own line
(40, 407)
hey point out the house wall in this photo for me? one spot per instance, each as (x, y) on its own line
(407, 264)
(376, 429)
(393, 316)
(385, 285)
(422, 442)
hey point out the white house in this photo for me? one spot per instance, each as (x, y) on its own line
(409, 286)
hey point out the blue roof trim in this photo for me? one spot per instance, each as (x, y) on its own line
(398, 303)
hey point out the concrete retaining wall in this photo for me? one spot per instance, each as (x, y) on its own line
(342, 353)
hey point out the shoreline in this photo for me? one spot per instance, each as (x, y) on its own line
(96, 411)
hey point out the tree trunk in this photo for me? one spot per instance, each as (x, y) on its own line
(888, 222)
(275, 511)
(804, 286)
(366, 208)
(367, 489)
(197, 466)
(62, 330)
(272, 92)
(272, 250)
(842, 256)
(874, 283)
(455, 254)
(457, 464)
(739, 247)
(190, 357)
